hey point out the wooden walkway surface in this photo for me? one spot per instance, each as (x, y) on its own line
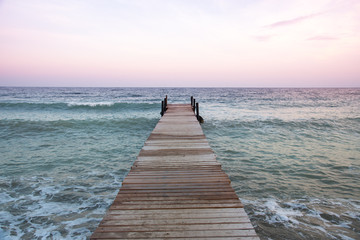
(176, 189)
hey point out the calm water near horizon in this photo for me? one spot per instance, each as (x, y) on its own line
(293, 155)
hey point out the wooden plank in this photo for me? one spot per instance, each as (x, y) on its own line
(203, 238)
(216, 191)
(171, 225)
(129, 197)
(240, 211)
(177, 206)
(177, 180)
(143, 190)
(178, 177)
(174, 202)
(206, 195)
(111, 221)
(171, 234)
(175, 172)
(162, 186)
(176, 189)
(174, 185)
(200, 218)
(198, 191)
(175, 152)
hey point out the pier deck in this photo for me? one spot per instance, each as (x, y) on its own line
(176, 189)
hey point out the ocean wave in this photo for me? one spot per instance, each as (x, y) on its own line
(26, 106)
(91, 104)
(30, 106)
(112, 106)
(18, 128)
(317, 124)
(55, 209)
(312, 218)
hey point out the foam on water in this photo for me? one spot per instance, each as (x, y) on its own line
(56, 210)
(309, 218)
(91, 104)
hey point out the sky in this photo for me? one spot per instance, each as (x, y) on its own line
(180, 43)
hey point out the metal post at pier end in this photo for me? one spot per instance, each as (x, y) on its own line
(162, 108)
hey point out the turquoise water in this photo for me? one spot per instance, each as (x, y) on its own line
(292, 156)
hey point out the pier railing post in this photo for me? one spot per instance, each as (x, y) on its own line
(162, 108)
(191, 100)
(164, 105)
(193, 106)
(197, 111)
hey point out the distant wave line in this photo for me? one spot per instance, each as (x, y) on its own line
(78, 105)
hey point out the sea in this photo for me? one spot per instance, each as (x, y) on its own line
(293, 155)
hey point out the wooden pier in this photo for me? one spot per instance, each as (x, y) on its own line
(176, 189)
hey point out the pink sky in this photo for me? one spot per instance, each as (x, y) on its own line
(202, 43)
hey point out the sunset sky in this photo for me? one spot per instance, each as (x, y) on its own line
(180, 43)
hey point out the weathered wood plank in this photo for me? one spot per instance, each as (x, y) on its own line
(131, 187)
(195, 195)
(129, 197)
(170, 234)
(240, 211)
(199, 218)
(205, 220)
(171, 225)
(178, 206)
(166, 173)
(176, 180)
(183, 177)
(203, 238)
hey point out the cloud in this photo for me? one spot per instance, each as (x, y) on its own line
(291, 21)
(263, 38)
(322, 38)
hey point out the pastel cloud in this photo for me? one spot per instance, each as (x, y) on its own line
(291, 21)
(322, 38)
(263, 38)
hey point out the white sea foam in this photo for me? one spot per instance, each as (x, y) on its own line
(11, 225)
(324, 217)
(5, 235)
(4, 197)
(90, 104)
(48, 231)
(344, 237)
(281, 214)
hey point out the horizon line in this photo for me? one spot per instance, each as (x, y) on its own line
(282, 87)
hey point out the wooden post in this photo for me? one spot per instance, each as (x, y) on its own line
(191, 100)
(165, 102)
(197, 111)
(193, 107)
(162, 108)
